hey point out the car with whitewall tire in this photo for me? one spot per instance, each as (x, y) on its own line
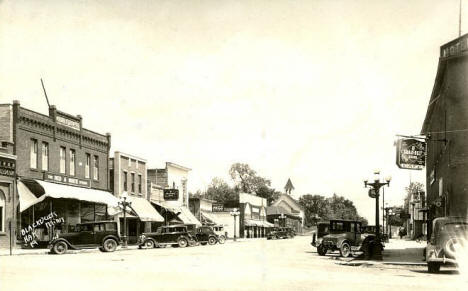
(171, 235)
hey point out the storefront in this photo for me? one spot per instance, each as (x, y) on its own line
(46, 209)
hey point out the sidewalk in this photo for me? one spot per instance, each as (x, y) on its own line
(20, 252)
(396, 252)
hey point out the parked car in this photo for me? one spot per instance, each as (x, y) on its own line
(173, 235)
(103, 235)
(317, 236)
(219, 230)
(370, 229)
(205, 235)
(448, 240)
(345, 236)
(281, 232)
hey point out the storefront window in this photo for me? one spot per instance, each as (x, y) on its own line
(101, 212)
(87, 211)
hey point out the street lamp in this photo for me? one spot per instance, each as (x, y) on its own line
(235, 213)
(375, 186)
(124, 204)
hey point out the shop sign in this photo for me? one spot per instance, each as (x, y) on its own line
(171, 194)
(68, 122)
(217, 207)
(411, 154)
(7, 167)
(66, 180)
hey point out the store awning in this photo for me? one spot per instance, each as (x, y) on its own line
(187, 217)
(28, 198)
(210, 217)
(144, 210)
(252, 222)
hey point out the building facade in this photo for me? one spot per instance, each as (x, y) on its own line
(447, 138)
(289, 207)
(167, 191)
(128, 175)
(61, 169)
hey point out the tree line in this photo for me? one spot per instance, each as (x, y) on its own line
(247, 180)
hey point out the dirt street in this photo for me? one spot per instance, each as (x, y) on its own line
(257, 264)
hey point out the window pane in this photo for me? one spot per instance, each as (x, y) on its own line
(45, 156)
(34, 154)
(62, 160)
(72, 162)
(96, 168)
(87, 166)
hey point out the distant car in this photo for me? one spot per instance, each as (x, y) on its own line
(448, 240)
(173, 235)
(103, 235)
(317, 236)
(205, 235)
(345, 236)
(281, 232)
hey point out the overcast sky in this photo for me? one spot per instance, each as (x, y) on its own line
(311, 90)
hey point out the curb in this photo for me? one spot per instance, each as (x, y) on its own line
(46, 251)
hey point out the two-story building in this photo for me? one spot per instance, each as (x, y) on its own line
(445, 127)
(167, 190)
(61, 172)
(128, 174)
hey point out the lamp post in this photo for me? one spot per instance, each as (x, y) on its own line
(375, 186)
(235, 213)
(124, 204)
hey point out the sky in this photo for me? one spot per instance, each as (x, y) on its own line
(315, 91)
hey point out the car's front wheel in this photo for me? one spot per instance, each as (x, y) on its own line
(433, 267)
(182, 243)
(221, 239)
(149, 244)
(322, 251)
(345, 250)
(109, 245)
(60, 248)
(211, 240)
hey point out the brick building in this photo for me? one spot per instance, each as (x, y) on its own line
(445, 127)
(61, 168)
(128, 174)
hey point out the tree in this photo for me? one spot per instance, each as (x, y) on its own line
(316, 207)
(220, 191)
(246, 179)
(268, 193)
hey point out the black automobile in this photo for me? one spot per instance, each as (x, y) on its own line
(205, 235)
(281, 232)
(171, 235)
(103, 235)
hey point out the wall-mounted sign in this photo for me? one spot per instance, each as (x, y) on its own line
(411, 154)
(68, 122)
(7, 167)
(171, 194)
(66, 180)
(217, 207)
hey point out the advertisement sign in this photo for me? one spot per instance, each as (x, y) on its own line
(7, 167)
(217, 207)
(411, 154)
(171, 194)
(66, 180)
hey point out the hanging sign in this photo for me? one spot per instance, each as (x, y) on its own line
(372, 193)
(411, 154)
(171, 194)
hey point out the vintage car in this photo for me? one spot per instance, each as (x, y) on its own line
(370, 229)
(219, 230)
(205, 235)
(448, 242)
(173, 235)
(281, 232)
(103, 235)
(346, 237)
(322, 230)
